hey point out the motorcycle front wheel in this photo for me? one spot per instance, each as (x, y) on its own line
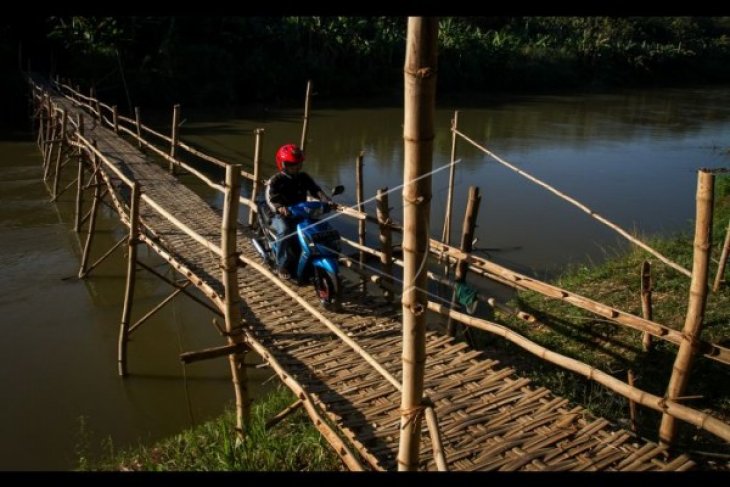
(327, 287)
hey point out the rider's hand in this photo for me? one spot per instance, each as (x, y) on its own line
(283, 211)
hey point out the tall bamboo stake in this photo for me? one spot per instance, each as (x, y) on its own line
(419, 94)
(92, 221)
(646, 311)
(386, 240)
(115, 118)
(723, 261)
(98, 107)
(446, 233)
(175, 129)
(138, 125)
(305, 123)
(259, 133)
(632, 404)
(467, 239)
(697, 300)
(79, 191)
(232, 308)
(51, 129)
(59, 154)
(131, 274)
(360, 223)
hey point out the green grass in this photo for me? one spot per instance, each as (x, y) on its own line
(292, 445)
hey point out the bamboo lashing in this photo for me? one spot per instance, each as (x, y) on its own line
(580, 205)
(697, 300)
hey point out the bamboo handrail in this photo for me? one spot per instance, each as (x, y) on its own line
(673, 408)
(579, 205)
(106, 161)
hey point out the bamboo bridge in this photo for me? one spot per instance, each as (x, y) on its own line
(344, 367)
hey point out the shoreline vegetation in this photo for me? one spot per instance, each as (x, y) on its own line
(295, 444)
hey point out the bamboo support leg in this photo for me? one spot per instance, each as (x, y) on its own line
(61, 145)
(284, 414)
(697, 301)
(360, 223)
(719, 278)
(131, 274)
(79, 193)
(232, 310)
(90, 231)
(646, 308)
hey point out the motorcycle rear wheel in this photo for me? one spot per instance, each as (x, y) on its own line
(327, 289)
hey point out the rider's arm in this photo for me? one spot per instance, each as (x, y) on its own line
(273, 195)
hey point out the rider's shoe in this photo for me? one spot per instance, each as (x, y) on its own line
(284, 274)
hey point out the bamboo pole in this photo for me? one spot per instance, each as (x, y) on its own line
(97, 107)
(79, 191)
(305, 123)
(213, 352)
(283, 414)
(360, 223)
(59, 155)
(232, 309)
(723, 261)
(137, 125)
(175, 133)
(92, 223)
(115, 118)
(671, 407)
(259, 133)
(157, 308)
(419, 75)
(467, 239)
(632, 404)
(697, 300)
(646, 311)
(50, 142)
(386, 240)
(131, 274)
(580, 205)
(446, 233)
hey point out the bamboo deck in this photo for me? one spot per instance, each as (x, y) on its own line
(489, 417)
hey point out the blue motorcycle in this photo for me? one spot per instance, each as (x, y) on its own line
(318, 249)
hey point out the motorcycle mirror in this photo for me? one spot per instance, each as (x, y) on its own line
(338, 190)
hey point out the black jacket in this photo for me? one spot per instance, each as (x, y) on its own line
(286, 189)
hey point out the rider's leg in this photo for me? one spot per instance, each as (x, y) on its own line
(283, 229)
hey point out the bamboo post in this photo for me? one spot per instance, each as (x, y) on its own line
(259, 133)
(50, 138)
(61, 141)
(419, 75)
(92, 221)
(360, 223)
(697, 301)
(232, 307)
(305, 123)
(446, 234)
(138, 126)
(79, 191)
(131, 274)
(386, 240)
(97, 106)
(467, 239)
(115, 118)
(632, 404)
(175, 129)
(646, 308)
(723, 261)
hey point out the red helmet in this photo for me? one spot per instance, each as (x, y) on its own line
(288, 154)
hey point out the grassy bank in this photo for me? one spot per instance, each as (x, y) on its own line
(292, 445)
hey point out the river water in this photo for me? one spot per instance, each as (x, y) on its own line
(632, 157)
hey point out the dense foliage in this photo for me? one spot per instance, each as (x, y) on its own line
(226, 61)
